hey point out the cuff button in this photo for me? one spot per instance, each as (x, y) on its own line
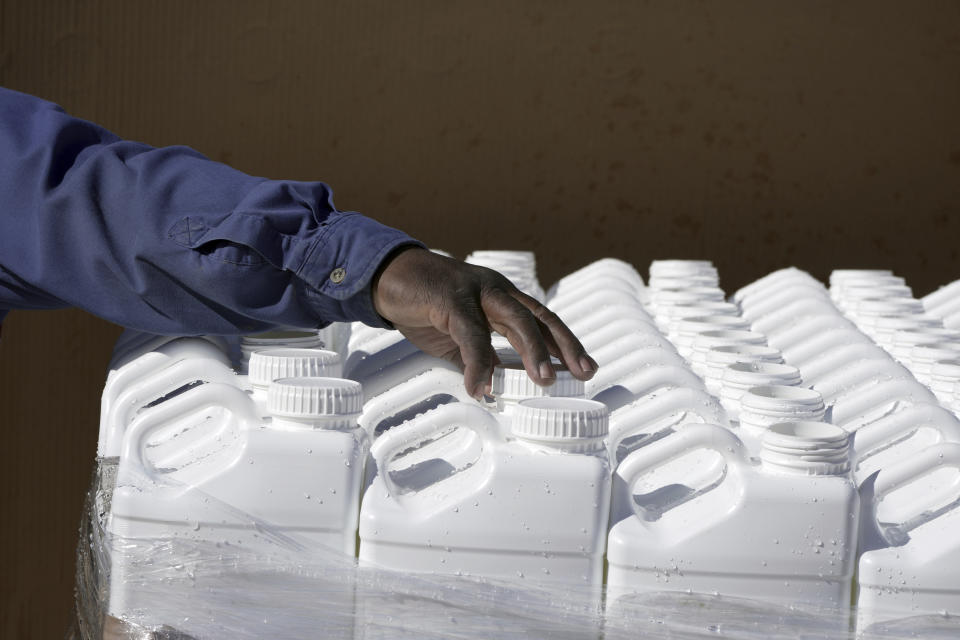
(337, 275)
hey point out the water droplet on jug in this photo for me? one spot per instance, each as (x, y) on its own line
(306, 495)
(309, 450)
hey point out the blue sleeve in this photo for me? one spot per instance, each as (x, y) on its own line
(167, 241)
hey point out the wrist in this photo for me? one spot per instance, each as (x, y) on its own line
(383, 283)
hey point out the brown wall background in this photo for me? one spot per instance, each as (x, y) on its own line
(755, 134)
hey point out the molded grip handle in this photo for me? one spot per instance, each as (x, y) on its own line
(875, 435)
(155, 387)
(921, 464)
(850, 411)
(132, 459)
(407, 393)
(432, 423)
(636, 417)
(139, 368)
(688, 438)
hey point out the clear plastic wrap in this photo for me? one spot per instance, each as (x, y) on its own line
(196, 589)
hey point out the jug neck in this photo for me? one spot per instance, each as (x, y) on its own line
(806, 448)
(328, 423)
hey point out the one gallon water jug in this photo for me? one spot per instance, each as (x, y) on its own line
(242, 488)
(910, 551)
(533, 508)
(781, 530)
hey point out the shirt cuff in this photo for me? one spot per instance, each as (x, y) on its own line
(338, 269)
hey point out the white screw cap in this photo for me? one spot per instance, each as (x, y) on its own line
(510, 381)
(314, 398)
(272, 364)
(555, 420)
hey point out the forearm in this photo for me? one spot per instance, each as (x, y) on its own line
(167, 241)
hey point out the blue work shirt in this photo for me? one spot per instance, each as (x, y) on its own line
(167, 241)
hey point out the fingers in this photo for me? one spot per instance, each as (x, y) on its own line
(564, 344)
(471, 334)
(517, 324)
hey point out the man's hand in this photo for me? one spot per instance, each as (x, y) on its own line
(448, 308)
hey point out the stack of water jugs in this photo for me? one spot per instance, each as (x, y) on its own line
(758, 446)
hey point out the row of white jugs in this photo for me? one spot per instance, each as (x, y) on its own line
(683, 494)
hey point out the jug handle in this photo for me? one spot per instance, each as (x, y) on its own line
(431, 423)
(880, 432)
(896, 389)
(923, 463)
(687, 438)
(193, 401)
(149, 390)
(383, 405)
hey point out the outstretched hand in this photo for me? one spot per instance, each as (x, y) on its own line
(448, 309)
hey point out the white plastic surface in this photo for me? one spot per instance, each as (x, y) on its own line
(506, 514)
(909, 566)
(302, 482)
(752, 531)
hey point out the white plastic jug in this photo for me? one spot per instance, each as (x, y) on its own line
(241, 483)
(534, 508)
(300, 474)
(910, 558)
(780, 530)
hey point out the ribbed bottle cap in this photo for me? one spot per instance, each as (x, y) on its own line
(272, 364)
(511, 382)
(314, 398)
(559, 420)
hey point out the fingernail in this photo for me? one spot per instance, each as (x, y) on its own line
(478, 392)
(488, 389)
(587, 364)
(546, 371)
